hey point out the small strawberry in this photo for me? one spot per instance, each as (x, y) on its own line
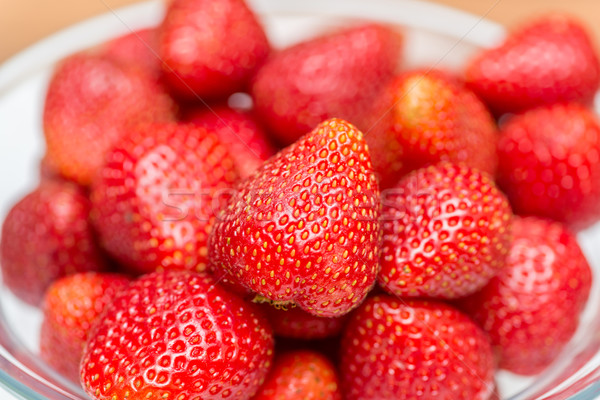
(301, 375)
(156, 198)
(550, 164)
(531, 309)
(247, 143)
(71, 306)
(91, 103)
(177, 335)
(304, 228)
(424, 117)
(138, 48)
(331, 76)
(446, 232)
(548, 60)
(298, 324)
(46, 236)
(210, 48)
(394, 350)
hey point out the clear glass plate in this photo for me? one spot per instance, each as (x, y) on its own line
(436, 36)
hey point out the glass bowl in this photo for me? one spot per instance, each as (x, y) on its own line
(436, 36)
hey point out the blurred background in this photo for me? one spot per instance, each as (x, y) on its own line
(23, 22)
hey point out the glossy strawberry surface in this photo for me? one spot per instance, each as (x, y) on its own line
(333, 76)
(210, 48)
(71, 306)
(301, 375)
(547, 60)
(246, 141)
(304, 228)
(91, 103)
(550, 164)
(446, 232)
(531, 309)
(415, 349)
(428, 116)
(157, 196)
(46, 236)
(177, 335)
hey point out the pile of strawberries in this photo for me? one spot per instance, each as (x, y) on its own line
(179, 251)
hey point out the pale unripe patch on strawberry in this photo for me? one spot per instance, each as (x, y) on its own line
(304, 228)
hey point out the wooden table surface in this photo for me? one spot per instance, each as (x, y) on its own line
(20, 27)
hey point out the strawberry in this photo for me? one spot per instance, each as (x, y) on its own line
(550, 164)
(446, 232)
(156, 198)
(531, 309)
(138, 48)
(548, 60)
(424, 117)
(247, 142)
(71, 306)
(414, 349)
(210, 48)
(304, 229)
(298, 324)
(177, 335)
(91, 103)
(301, 375)
(331, 76)
(46, 236)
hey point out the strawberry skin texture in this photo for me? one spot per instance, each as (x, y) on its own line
(446, 233)
(210, 48)
(301, 375)
(177, 335)
(304, 228)
(396, 349)
(549, 60)
(248, 144)
(550, 164)
(46, 236)
(331, 76)
(91, 103)
(531, 309)
(157, 196)
(294, 323)
(424, 117)
(71, 306)
(138, 48)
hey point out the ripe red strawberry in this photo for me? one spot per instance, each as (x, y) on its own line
(531, 309)
(414, 349)
(446, 232)
(138, 48)
(298, 324)
(71, 306)
(424, 117)
(177, 335)
(90, 104)
(548, 60)
(247, 142)
(156, 198)
(304, 228)
(301, 375)
(550, 164)
(210, 48)
(332, 76)
(46, 236)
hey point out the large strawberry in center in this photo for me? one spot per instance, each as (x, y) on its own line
(304, 229)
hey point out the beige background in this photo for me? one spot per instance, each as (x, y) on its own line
(22, 22)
